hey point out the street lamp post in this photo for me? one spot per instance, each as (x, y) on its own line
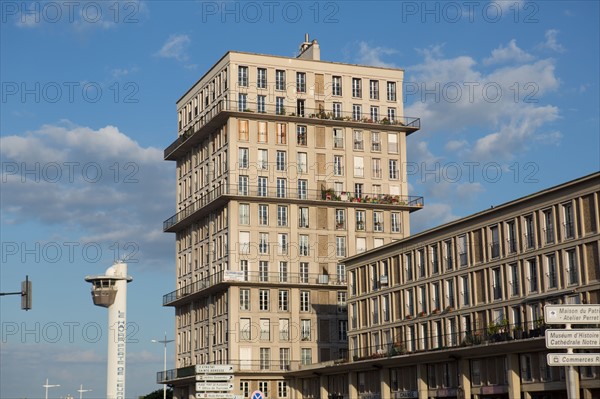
(165, 342)
(46, 385)
(81, 391)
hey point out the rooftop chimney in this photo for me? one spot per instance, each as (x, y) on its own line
(309, 50)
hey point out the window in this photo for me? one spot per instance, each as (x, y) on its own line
(568, 223)
(243, 185)
(514, 282)
(305, 330)
(244, 214)
(549, 228)
(358, 140)
(338, 138)
(301, 164)
(435, 296)
(533, 277)
(391, 91)
(263, 159)
(263, 214)
(244, 268)
(281, 163)
(512, 236)
(306, 356)
(572, 267)
(279, 107)
(465, 291)
(526, 368)
(282, 386)
(343, 330)
(392, 143)
(396, 224)
(282, 244)
(281, 187)
(356, 112)
(262, 186)
(244, 241)
(265, 330)
(450, 293)
(243, 130)
(263, 300)
(302, 189)
(375, 141)
(263, 243)
(341, 272)
(243, 158)
(375, 310)
(377, 221)
(462, 250)
(243, 76)
(281, 133)
(337, 110)
(338, 165)
(374, 113)
(448, 255)
(495, 244)
(433, 253)
(304, 301)
(300, 107)
(283, 272)
(359, 169)
(391, 114)
(242, 102)
(356, 87)
(393, 169)
(279, 80)
(340, 246)
(261, 78)
(304, 272)
(283, 300)
(374, 89)
(410, 305)
(408, 266)
(261, 104)
(301, 82)
(340, 219)
(303, 217)
(284, 330)
(336, 87)
(245, 330)
(244, 299)
(301, 135)
(263, 271)
(551, 271)
(303, 247)
(245, 388)
(360, 220)
(265, 360)
(529, 234)
(496, 283)
(282, 215)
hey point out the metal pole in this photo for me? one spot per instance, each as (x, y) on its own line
(165, 342)
(571, 375)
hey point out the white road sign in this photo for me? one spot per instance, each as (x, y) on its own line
(214, 377)
(579, 338)
(572, 314)
(214, 386)
(214, 368)
(573, 359)
(216, 395)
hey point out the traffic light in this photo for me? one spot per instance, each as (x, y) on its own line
(26, 292)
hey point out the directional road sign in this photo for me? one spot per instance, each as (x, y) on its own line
(579, 338)
(214, 377)
(572, 314)
(216, 395)
(214, 368)
(573, 359)
(214, 386)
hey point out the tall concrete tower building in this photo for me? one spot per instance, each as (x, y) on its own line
(285, 166)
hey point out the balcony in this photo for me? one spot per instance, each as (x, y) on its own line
(287, 194)
(222, 109)
(237, 277)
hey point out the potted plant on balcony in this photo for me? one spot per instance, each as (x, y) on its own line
(435, 311)
(518, 332)
(422, 314)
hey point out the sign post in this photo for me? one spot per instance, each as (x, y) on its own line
(213, 381)
(570, 339)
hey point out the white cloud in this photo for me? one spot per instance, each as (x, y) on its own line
(551, 43)
(368, 55)
(175, 47)
(433, 214)
(510, 53)
(99, 183)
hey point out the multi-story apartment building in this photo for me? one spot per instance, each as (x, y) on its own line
(285, 166)
(457, 311)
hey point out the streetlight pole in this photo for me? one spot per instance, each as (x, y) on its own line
(81, 391)
(46, 385)
(165, 342)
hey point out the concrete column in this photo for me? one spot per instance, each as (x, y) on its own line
(463, 377)
(323, 388)
(513, 376)
(422, 381)
(587, 393)
(384, 377)
(352, 385)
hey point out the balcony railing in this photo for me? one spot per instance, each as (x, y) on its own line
(293, 193)
(251, 277)
(409, 124)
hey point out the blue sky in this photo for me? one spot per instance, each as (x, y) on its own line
(507, 94)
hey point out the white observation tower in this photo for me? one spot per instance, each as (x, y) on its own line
(110, 291)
